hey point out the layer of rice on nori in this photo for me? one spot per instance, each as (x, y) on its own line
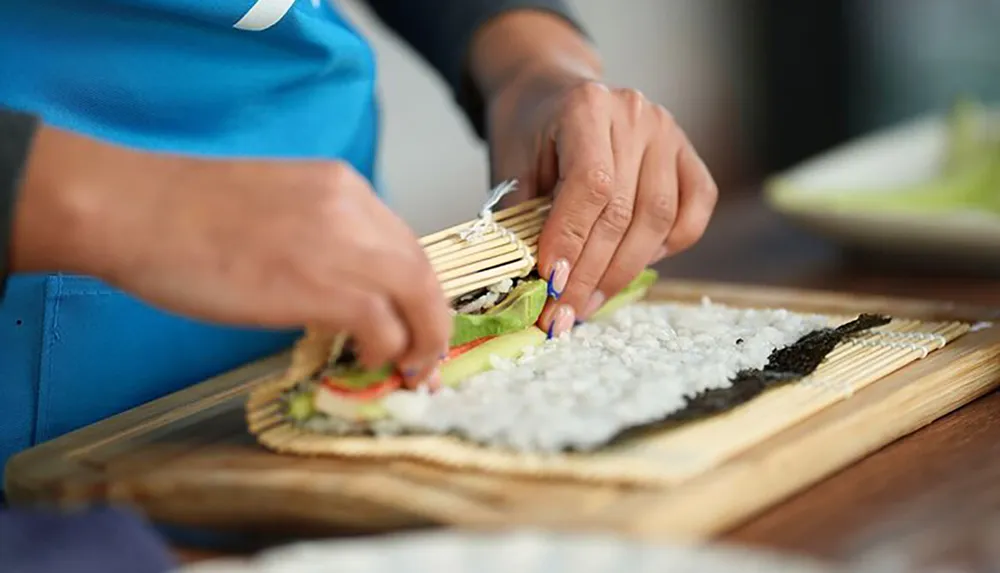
(787, 362)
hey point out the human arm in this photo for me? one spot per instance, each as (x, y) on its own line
(271, 244)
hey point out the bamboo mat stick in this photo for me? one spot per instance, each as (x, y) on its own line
(458, 287)
(493, 239)
(501, 215)
(455, 242)
(464, 258)
(469, 269)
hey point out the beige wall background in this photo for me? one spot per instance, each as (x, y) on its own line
(689, 55)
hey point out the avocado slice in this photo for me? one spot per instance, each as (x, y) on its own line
(520, 309)
(634, 292)
(478, 360)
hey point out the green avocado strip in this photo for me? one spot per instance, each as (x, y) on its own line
(519, 310)
(634, 292)
(477, 360)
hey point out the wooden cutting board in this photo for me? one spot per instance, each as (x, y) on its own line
(188, 460)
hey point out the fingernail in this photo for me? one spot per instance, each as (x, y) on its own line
(558, 275)
(410, 372)
(562, 321)
(594, 304)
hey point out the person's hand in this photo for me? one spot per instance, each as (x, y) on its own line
(629, 188)
(255, 243)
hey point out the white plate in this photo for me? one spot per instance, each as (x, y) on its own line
(901, 155)
(514, 552)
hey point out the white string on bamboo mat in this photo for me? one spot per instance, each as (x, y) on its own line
(486, 224)
(981, 326)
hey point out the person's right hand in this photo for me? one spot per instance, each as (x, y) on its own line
(275, 244)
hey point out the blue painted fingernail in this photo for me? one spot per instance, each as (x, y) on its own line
(552, 325)
(557, 278)
(552, 292)
(409, 373)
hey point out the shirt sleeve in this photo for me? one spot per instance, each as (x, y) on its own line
(16, 133)
(441, 31)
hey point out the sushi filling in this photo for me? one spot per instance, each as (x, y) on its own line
(496, 322)
(345, 398)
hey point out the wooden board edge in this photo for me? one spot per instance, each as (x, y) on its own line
(30, 474)
(823, 301)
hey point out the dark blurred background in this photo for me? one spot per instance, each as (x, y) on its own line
(757, 84)
(835, 69)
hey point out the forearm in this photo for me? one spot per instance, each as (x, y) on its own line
(443, 31)
(528, 45)
(16, 134)
(61, 211)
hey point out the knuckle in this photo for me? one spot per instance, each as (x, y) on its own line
(660, 210)
(664, 118)
(617, 215)
(573, 233)
(634, 102)
(589, 93)
(598, 186)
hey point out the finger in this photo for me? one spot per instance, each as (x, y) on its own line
(655, 211)
(418, 296)
(380, 334)
(697, 196)
(611, 227)
(395, 265)
(585, 188)
(586, 179)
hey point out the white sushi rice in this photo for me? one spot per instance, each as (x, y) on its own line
(581, 389)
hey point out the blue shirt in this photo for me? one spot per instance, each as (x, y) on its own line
(264, 78)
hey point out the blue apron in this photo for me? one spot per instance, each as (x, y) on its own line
(247, 78)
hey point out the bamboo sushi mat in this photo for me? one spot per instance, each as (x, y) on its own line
(661, 457)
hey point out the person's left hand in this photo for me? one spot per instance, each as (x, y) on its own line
(629, 188)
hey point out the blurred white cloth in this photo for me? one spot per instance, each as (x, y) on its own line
(513, 552)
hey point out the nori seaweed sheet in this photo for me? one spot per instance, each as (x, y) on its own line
(784, 365)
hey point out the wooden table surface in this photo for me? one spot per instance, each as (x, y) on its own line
(952, 465)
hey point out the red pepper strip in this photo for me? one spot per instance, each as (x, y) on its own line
(393, 382)
(368, 393)
(457, 351)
